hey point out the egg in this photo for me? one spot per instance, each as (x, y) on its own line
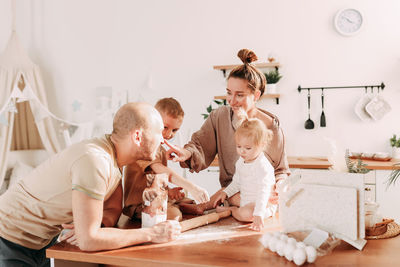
(277, 234)
(272, 244)
(280, 246)
(300, 245)
(288, 251)
(264, 239)
(299, 256)
(292, 241)
(284, 237)
(311, 253)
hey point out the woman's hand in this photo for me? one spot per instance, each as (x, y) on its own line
(219, 197)
(165, 231)
(258, 224)
(176, 193)
(273, 198)
(176, 153)
(199, 194)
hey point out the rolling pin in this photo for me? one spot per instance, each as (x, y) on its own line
(203, 220)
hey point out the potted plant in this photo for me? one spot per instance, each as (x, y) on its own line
(210, 108)
(272, 78)
(395, 144)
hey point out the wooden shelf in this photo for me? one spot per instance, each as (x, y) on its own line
(276, 96)
(265, 65)
(258, 65)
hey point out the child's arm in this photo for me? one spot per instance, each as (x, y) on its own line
(199, 194)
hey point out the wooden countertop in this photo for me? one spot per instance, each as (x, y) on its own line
(323, 163)
(234, 251)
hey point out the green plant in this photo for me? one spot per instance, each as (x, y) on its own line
(354, 167)
(393, 175)
(273, 76)
(394, 141)
(210, 108)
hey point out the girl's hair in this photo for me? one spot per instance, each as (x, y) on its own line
(256, 130)
(254, 77)
(170, 106)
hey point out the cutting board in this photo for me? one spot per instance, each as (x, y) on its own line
(331, 208)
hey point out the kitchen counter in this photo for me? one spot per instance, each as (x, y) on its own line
(323, 163)
(300, 162)
(232, 251)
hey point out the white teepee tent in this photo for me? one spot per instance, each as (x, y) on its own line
(16, 68)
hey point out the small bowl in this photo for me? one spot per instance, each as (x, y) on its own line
(355, 154)
(368, 155)
(381, 155)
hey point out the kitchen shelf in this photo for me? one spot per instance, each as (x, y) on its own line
(276, 96)
(224, 68)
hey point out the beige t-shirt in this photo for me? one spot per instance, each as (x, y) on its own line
(32, 210)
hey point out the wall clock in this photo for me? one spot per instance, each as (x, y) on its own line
(348, 21)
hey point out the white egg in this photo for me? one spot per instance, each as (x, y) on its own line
(300, 245)
(280, 247)
(292, 241)
(272, 244)
(264, 239)
(277, 234)
(299, 256)
(289, 249)
(311, 253)
(284, 237)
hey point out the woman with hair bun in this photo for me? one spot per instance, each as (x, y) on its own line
(245, 85)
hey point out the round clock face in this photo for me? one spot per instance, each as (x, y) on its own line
(348, 21)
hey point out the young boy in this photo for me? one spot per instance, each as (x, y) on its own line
(135, 180)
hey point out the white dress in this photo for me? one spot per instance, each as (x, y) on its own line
(254, 181)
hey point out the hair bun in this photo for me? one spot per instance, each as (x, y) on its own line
(247, 56)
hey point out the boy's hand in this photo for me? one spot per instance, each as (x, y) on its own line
(219, 197)
(176, 193)
(258, 224)
(199, 194)
(176, 153)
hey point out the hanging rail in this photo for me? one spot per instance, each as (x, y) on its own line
(381, 86)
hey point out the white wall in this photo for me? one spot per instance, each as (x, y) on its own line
(155, 49)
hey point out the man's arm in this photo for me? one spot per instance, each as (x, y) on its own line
(88, 213)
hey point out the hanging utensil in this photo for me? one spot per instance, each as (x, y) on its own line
(323, 119)
(309, 124)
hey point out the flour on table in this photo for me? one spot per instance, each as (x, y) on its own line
(211, 232)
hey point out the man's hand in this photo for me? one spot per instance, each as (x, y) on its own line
(176, 153)
(199, 194)
(176, 193)
(219, 197)
(258, 224)
(165, 231)
(68, 234)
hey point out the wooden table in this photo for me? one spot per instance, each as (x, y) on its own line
(243, 250)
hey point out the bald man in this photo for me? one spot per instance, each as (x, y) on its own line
(72, 187)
